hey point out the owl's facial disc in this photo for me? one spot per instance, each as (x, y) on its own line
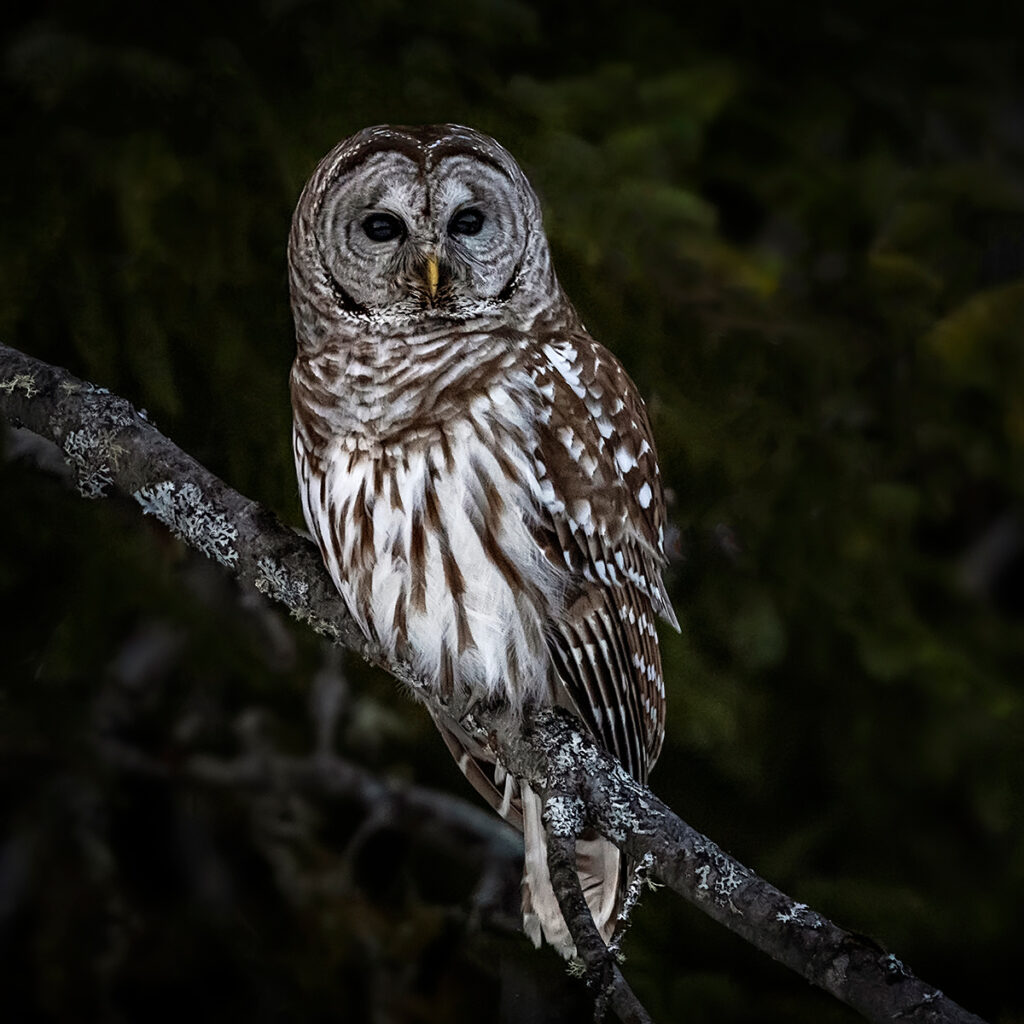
(402, 240)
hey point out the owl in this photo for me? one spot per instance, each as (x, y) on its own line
(478, 472)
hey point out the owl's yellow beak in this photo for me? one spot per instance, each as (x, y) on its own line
(431, 275)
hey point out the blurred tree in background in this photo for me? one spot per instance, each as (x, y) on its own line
(801, 228)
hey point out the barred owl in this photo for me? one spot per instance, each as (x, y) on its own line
(478, 472)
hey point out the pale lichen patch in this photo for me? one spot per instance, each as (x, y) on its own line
(720, 876)
(94, 456)
(577, 758)
(323, 626)
(92, 449)
(23, 382)
(278, 583)
(563, 815)
(72, 387)
(799, 913)
(639, 880)
(894, 966)
(576, 967)
(117, 412)
(190, 517)
(622, 822)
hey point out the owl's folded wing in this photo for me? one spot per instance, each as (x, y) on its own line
(604, 522)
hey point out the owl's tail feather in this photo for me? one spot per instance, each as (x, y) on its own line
(599, 864)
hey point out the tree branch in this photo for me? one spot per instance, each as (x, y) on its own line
(564, 822)
(109, 444)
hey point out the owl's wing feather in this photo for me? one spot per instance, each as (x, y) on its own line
(605, 519)
(487, 777)
(590, 652)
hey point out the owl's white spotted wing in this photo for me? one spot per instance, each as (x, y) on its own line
(605, 520)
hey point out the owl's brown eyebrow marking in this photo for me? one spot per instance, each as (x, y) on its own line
(430, 144)
(422, 148)
(465, 150)
(374, 147)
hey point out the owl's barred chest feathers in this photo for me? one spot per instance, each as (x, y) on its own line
(391, 389)
(426, 495)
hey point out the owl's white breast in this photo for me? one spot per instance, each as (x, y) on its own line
(394, 521)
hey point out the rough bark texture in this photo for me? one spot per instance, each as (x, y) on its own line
(110, 445)
(564, 819)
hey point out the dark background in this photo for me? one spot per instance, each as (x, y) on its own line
(802, 229)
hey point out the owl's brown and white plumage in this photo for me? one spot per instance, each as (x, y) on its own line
(478, 472)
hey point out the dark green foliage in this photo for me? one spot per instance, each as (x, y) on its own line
(803, 231)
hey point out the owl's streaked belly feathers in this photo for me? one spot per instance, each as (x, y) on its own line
(430, 543)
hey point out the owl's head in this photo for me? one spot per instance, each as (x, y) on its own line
(403, 224)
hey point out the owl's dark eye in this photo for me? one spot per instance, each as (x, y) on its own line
(466, 222)
(383, 227)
